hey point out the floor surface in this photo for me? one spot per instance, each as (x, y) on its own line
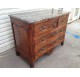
(66, 56)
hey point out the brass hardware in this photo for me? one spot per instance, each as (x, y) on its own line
(42, 49)
(43, 28)
(63, 20)
(53, 34)
(54, 24)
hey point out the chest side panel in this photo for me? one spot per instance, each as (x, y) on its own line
(20, 32)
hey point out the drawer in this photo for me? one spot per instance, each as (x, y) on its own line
(63, 20)
(42, 27)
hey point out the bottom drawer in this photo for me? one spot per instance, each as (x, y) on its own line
(40, 52)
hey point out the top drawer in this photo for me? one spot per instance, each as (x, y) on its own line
(63, 20)
(46, 26)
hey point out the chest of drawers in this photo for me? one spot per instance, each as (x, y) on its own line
(38, 32)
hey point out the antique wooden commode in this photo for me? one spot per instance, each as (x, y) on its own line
(38, 32)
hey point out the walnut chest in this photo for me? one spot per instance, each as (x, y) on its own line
(38, 32)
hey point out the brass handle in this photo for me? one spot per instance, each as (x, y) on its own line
(54, 24)
(53, 43)
(60, 37)
(61, 30)
(53, 34)
(63, 20)
(43, 28)
(42, 49)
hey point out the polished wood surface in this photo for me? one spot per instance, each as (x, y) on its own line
(33, 40)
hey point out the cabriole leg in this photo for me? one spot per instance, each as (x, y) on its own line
(31, 65)
(62, 43)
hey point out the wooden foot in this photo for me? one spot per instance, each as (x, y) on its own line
(31, 65)
(62, 43)
(17, 53)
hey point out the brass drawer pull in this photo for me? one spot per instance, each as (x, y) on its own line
(43, 28)
(42, 49)
(63, 20)
(61, 30)
(53, 43)
(53, 34)
(54, 24)
(60, 38)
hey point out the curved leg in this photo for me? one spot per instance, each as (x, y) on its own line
(62, 43)
(31, 65)
(17, 53)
